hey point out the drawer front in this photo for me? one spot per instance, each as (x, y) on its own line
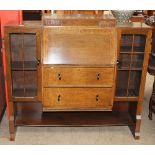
(78, 98)
(78, 76)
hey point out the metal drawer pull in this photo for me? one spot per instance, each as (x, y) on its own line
(98, 76)
(38, 62)
(118, 62)
(59, 97)
(97, 98)
(59, 76)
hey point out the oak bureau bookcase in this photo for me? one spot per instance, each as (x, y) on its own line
(76, 70)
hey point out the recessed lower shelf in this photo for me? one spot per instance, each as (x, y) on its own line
(75, 119)
(32, 116)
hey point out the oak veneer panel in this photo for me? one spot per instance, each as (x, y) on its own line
(79, 45)
(77, 76)
(77, 98)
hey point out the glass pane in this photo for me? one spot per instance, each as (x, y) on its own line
(139, 43)
(24, 67)
(30, 56)
(151, 67)
(126, 43)
(134, 84)
(16, 50)
(137, 60)
(30, 83)
(124, 61)
(122, 83)
(18, 83)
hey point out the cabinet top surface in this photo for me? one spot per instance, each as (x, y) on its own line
(97, 21)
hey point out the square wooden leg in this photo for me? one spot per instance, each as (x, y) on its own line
(152, 102)
(137, 128)
(12, 128)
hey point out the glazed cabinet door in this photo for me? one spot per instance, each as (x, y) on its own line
(23, 59)
(133, 58)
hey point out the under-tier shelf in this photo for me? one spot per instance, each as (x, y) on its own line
(30, 114)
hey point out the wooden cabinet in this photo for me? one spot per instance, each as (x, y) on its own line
(85, 75)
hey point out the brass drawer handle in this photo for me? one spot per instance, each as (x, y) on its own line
(98, 76)
(59, 76)
(97, 98)
(59, 97)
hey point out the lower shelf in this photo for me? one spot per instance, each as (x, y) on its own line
(32, 116)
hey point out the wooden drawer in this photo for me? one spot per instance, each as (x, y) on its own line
(78, 98)
(78, 76)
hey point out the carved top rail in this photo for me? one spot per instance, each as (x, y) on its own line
(79, 20)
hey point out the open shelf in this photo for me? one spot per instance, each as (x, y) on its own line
(30, 114)
(74, 119)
